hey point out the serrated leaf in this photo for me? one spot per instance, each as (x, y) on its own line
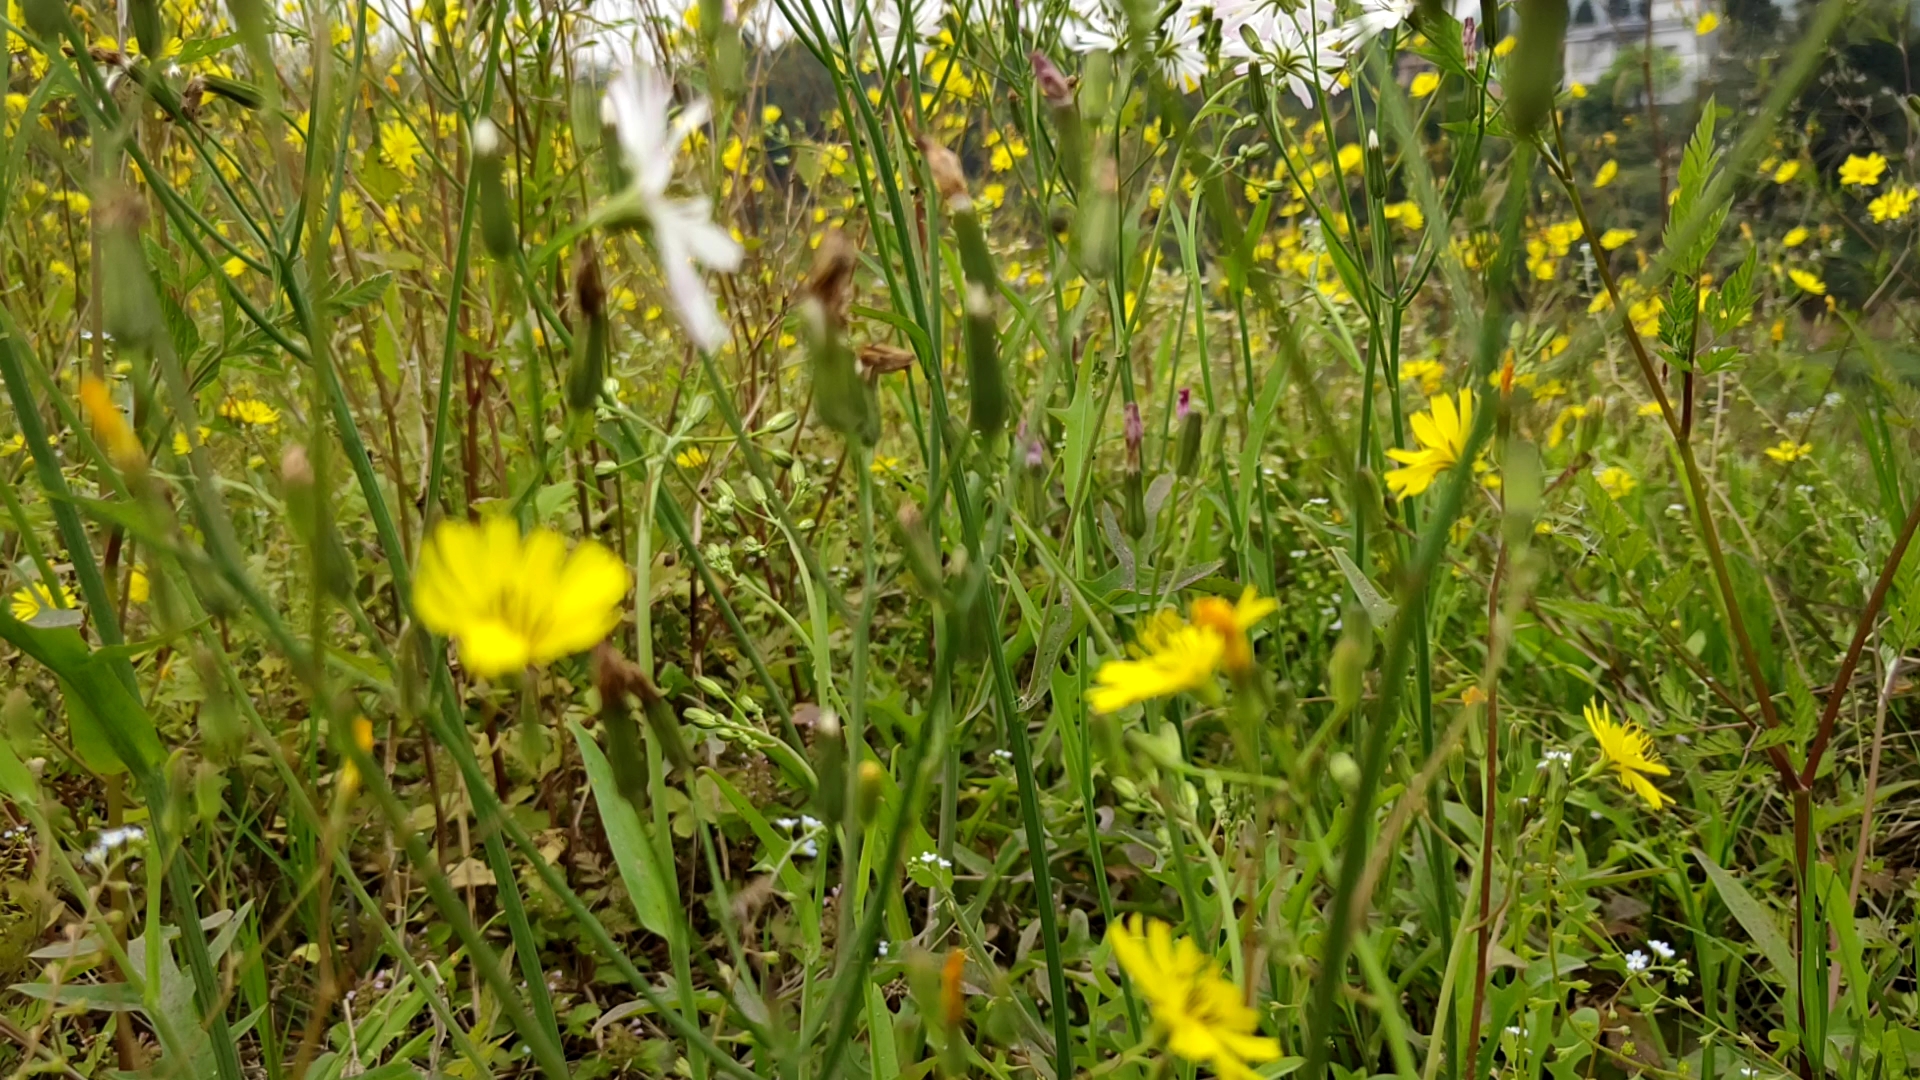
(359, 293)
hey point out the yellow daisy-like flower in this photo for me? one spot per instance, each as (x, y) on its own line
(1615, 239)
(1204, 1016)
(1894, 204)
(1424, 83)
(1795, 236)
(1231, 622)
(1708, 23)
(1786, 172)
(30, 600)
(181, 447)
(250, 411)
(1172, 658)
(1859, 171)
(512, 601)
(691, 458)
(1787, 451)
(1629, 752)
(1606, 174)
(1442, 433)
(139, 589)
(400, 146)
(1808, 281)
(1505, 46)
(109, 425)
(1617, 482)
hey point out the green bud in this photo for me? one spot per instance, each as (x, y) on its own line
(829, 766)
(872, 785)
(1192, 426)
(1533, 72)
(1343, 770)
(496, 212)
(590, 344)
(148, 29)
(986, 380)
(1133, 498)
(132, 304)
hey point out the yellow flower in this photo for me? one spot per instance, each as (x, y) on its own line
(1442, 434)
(1349, 157)
(1606, 174)
(1427, 373)
(1231, 622)
(1795, 236)
(1862, 171)
(362, 738)
(1650, 408)
(1629, 752)
(138, 587)
(1894, 204)
(181, 447)
(1505, 46)
(512, 601)
(234, 267)
(883, 465)
(109, 426)
(400, 146)
(250, 411)
(1617, 482)
(1205, 1017)
(1785, 173)
(1424, 83)
(1578, 90)
(1406, 213)
(30, 600)
(1787, 451)
(1708, 23)
(770, 114)
(1614, 239)
(1172, 658)
(1808, 281)
(691, 458)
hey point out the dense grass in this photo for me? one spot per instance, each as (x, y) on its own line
(1429, 541)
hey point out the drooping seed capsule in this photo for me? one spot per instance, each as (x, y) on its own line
(846, 402)
(590, 343)
(987, 382)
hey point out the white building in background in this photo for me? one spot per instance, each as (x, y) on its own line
(1599, 31)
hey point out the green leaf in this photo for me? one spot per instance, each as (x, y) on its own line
(654, 892)
(359, 293)
(1379, 608)
(1751, 914)
(109, 723)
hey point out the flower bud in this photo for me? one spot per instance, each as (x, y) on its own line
(877, 360)
(873, 784)
(1057, 92)
(590, 343)
(1187, 457)
(148, 29)
(948, 177)
(132, 304)
(489, 169)
(829, 764)
(986, 381)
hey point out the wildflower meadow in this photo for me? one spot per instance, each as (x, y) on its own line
(909, 539)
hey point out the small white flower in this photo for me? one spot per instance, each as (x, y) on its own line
(1661, 949)
(686, 241)
(1375, 17)
(880, 949)
(1636, 962)
(809, 822)
(785, 822)
(807, 849)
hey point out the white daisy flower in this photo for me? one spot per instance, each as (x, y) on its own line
(686, 241)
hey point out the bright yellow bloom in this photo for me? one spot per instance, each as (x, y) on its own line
(1860, 171)
(1894, 204)
(1787, 451)
(1795, 236)
(1606, 174)
(884, 465)
(1614, 239)
(109, 426)
(1808, 281)
(1785, 173)
(362, 738)
(30, 600)
(234, 267)
(1708, 23)
(1578, 90)
(1406, 212)
(1617, 482)
(1629, 752)
(770, 114)
(1505, 46)
(1442, 433)
(1205, 1017)
(1173, 658)
(1424, 83)
(691, 458)
(138, 587)
(400, 146)
(250, 411)
(512, 601)
(1427, 373)
(1231, 622)
(181, 447)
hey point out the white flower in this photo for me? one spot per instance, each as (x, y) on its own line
(1661, 949)
(1178, 52)
(1375, 17)
(685, 239)
(1636, 962)
(922, 17)
(1092, 26)
(1299, 46)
